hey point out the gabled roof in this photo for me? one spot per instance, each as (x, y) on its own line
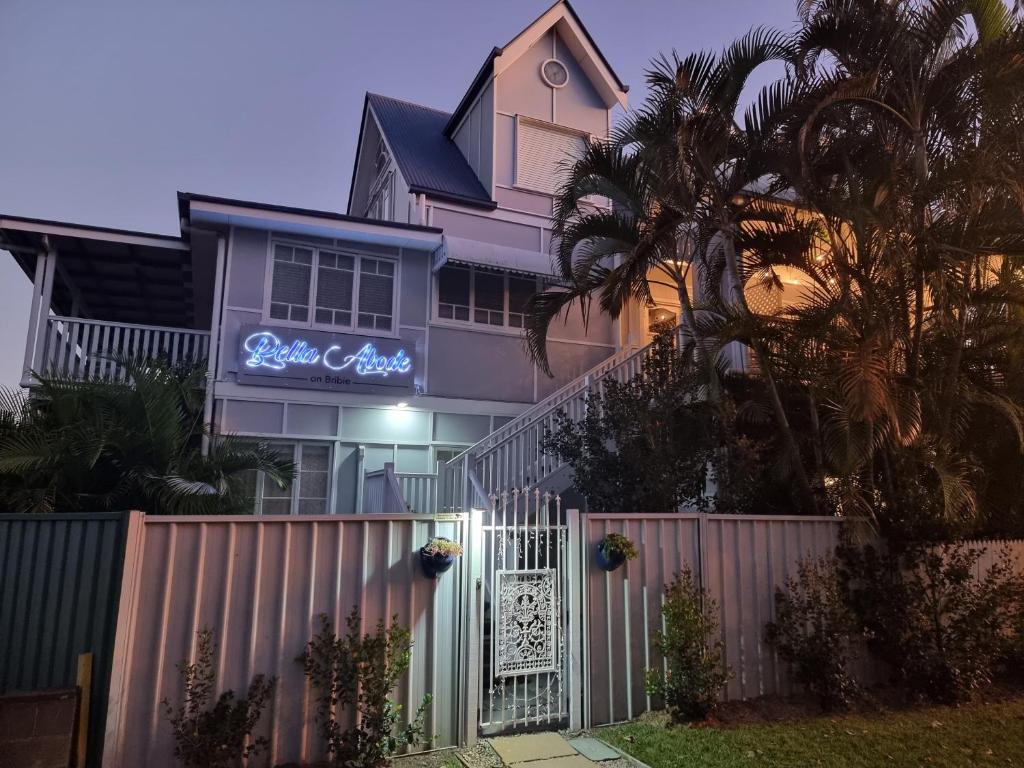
(429, 161)
(562, 14)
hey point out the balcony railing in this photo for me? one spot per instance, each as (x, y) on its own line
(77, 348)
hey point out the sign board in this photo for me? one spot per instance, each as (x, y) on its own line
(341, 362)
(450, 517)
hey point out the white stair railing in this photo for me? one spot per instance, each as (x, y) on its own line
(513, 457)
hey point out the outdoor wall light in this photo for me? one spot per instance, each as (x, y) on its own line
(402, 404)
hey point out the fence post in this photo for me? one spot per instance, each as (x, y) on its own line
(575, 558)
(473, 597)
(113, 737)
(702, 550)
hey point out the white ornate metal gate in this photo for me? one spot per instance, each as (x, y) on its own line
(526, 612)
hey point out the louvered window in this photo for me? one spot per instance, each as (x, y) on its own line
(543, 155)
(319, 287)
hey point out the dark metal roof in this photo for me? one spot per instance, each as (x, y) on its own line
(429, 161)
(119, 275)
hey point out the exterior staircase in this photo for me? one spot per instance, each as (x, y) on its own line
(512, 456)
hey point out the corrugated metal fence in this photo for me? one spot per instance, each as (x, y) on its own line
(739, 560)
(60, 580)
(259, 584)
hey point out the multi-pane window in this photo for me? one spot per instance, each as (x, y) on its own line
(313, 472)
(376, 294)
(289, 294)
(483, 296)
(325, 287)
(380, 200)
(335, 276)
(308, 492)
(453, 291)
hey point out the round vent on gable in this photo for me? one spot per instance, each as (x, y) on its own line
(554, 73)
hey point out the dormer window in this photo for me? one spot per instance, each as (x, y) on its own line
(544, 154)
(381, 191)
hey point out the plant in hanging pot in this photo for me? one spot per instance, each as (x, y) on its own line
(438, 555)
(613, 550)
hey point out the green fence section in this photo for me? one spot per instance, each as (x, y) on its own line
(60, 582)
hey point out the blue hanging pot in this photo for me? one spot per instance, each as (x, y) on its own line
(609, 561)
(435, 563)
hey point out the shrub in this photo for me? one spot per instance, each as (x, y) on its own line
(695, 671)
(941, 630)
(812, 631)
(643, 444)
(219, 736)
(357, 673)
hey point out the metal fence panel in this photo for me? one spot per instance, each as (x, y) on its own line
(60, 578)
(739, 560)
(747, 558)
(259, 584)
(623, 608)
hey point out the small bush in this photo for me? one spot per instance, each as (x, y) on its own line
(941, 630)
(357, 673)
(695, 672)
(219, 736)
(812, 631)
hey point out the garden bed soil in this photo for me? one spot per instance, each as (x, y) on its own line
(770, 710)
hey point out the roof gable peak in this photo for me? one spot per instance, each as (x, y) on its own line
(562, 17)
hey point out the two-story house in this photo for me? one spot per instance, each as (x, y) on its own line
(389, 336)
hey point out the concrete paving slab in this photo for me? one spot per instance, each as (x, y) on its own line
(530, 747)
(567, 761)
(593, 749)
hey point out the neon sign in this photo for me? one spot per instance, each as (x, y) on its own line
(268, 350)
(319, 359)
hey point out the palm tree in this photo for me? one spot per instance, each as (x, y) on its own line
(681, 174)
(904, 142)
(90, 445)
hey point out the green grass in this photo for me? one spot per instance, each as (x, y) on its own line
(972, 735)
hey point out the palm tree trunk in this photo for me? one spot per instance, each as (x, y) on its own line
(806, 494)
(738, 303)
(689, 321)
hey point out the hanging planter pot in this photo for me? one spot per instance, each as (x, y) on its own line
(438, 555)
(614, 550)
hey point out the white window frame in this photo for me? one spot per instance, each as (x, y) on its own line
(384, 184)
(296, 446)
(544, 125)
(472, 322)
(353, 328)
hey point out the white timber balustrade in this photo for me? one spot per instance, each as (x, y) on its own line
(419, 490)
(89, 349)
(388, 491)
(513, 456)
(382, 493)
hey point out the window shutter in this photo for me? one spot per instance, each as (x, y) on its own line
(543, 155)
